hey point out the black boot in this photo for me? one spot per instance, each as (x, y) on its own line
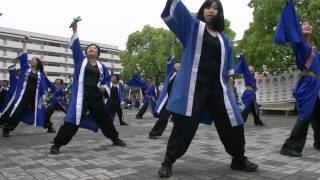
(259, 123)
(51, 130)
(119, 142)
(165, 170)
(139, 116)
(243, 164)
(290, 152)
(316, 146)
(54, 149)
(5, 132)
(124, 124)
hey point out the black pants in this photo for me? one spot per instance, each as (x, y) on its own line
(161, 123)
(49, 111)
(184, 128)
(25, 105)
(299, 133)
(98, 111)
(116, 107)
(143, 109)
(254, 110)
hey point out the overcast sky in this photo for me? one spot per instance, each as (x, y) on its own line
(104, 21)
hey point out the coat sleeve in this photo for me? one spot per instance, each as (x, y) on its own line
(23, 58)
(77, 52)
(289, 31)
(230, 60)
(12, 75)
(49, 84)
(106, 80)
(178, 19)
(170, 65)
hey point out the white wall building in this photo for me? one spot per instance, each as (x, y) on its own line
(54, 51)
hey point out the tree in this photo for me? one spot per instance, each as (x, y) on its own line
(147, 51)
(257, 43)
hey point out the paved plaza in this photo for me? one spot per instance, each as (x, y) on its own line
(25, 155)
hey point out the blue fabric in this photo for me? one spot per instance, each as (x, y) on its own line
(9, 95)
(187, 28)
(306, 90)
(57, 94)
(86, 120)
(169, 73)
(242, 68)
(29, 116)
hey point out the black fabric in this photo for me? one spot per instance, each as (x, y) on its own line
(49, 111)
(210, 59)
(161, 123)
(143, 109)
(299, 133)
(97, 109)
(253, 109)
(117, 109)
(207, 95)
(2, 96)
(91, 80)
(25, 104)
(114, 96)
(31, 86)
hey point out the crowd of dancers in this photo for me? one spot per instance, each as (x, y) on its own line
(199, 89)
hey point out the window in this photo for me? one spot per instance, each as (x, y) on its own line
(4, 52)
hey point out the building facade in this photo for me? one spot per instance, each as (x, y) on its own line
(54, 51)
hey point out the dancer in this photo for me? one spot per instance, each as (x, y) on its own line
(56, 102)
(203, 86)
(88, 90)
(9, 97)
(29, 103)
(306, 91)
(115, 102)
(249, 98)
(161, 108)
(149, 93)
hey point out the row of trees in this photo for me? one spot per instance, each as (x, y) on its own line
(147, 50)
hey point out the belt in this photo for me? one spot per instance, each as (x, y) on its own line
(310, 73)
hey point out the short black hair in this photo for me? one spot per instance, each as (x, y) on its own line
(61, 80)
(149, 77)
(217, 22)
(98, 47)
(5, 81)
(117, 77)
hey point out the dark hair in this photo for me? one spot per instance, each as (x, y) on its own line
(117, 77)
(149, 77)
(217, 22)
(61, 80)
(5, 81)
(40, 66)
(98, 47)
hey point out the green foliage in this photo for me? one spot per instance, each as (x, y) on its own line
(148, 50)
(257, 43)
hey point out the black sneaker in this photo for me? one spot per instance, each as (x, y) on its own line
(54, 150)
(165, 170)
(124, 124)
(153, 136)
(243, 165)
(139, 117)
(119, 142)
(260, 123)
(290, 152)
(5, 132)
(51, 130)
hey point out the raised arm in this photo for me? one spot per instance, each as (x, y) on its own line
(289, 31)
(178, 19)
(23, 56)
(75, 46)
(12, 74)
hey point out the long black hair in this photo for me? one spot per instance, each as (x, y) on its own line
(40, 66)
(218, 21)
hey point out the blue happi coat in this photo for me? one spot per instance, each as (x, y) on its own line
(307, 89)
(57, 95)
(149, 92)
(121, 96)
(75, 113)
(9, 97)
(32, 116)
(170, 76)
(249, 95)
(189, 30)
